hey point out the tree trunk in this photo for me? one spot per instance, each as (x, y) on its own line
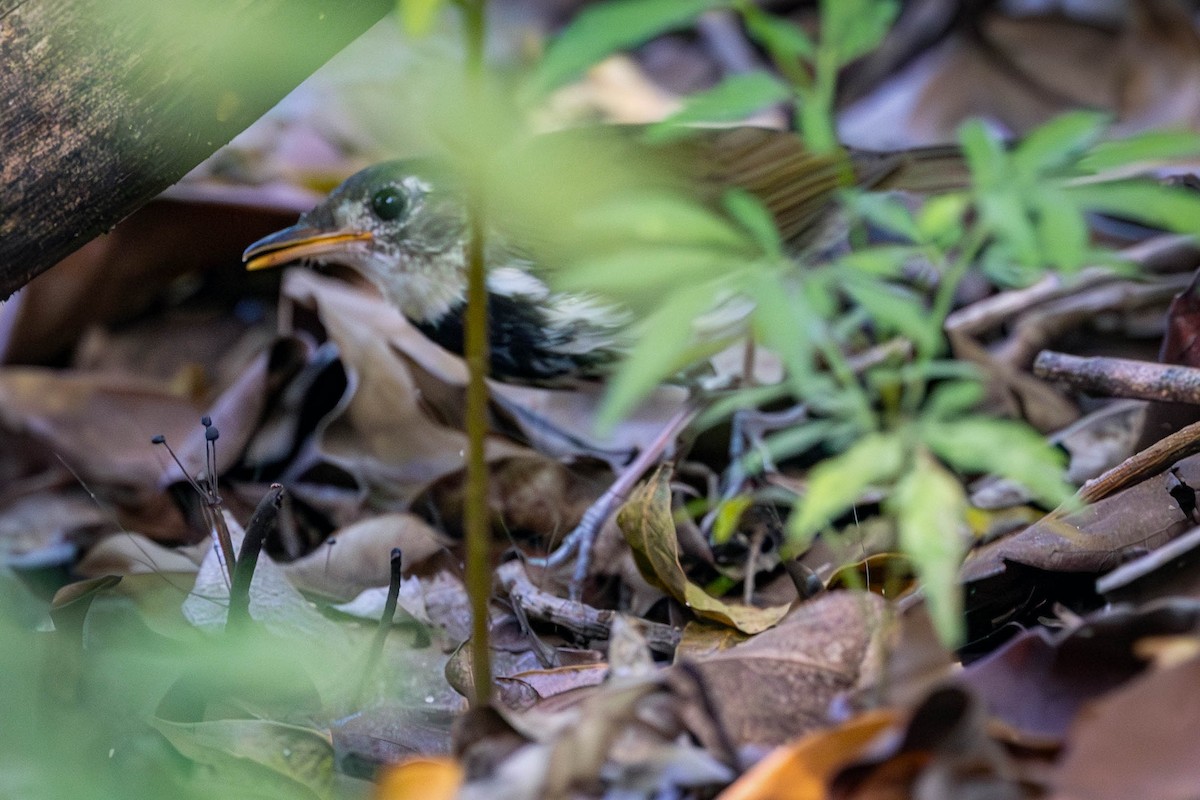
(105, 103)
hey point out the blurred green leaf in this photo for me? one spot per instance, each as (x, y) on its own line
(885, 211)
(792, 441)
(734, 98)
(1062, 229)
(749, 212)
(1142, 150)
(1004, 213)
(1059, 142)
(929, 506)
(785, 41)
(729, 514)
(605, 28)
(897, 310)
(642, 275)
(851, 28)
(417, 16)
(940, 220)
(782, 322)
(663, 348)
(1001, 447)
(953, 398)
(882, 261)
(985, 155)
(1169, 207)
(836, 483)
(658, 218)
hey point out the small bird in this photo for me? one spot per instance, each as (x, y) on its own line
(403, 226)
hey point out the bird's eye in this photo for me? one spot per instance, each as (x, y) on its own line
(389, 203)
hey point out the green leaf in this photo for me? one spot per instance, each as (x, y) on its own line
(640, 274)
(417, 16)
(792, 441)
(940, 220)
(930, 507)
(836, 483)
(896, 310)
(729, 514)
(1002, 447)
(1062, 229)
(786, 42)
(777, 308)
(852, 28)
(664, 348)
(1005, 215)
(985, 155)
(885, 211)
(749, 212)
(1059, 142)
(734, 98)
(1169, 207)
(884, 261)
(658, 218)
(605, 28)
(953, 398)
(1143, 150)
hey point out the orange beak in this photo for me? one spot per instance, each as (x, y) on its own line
(297, 242)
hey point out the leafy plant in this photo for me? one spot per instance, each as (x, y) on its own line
(899, 425)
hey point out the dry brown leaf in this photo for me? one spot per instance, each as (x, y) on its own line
(780, 683)
(118, 276)
(383, 433)
(648, 525)
(357, 557)
(1145, 73)
(1139, 741)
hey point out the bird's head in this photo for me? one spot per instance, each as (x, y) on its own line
(401, 224)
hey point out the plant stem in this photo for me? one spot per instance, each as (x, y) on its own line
(478, 571)
(943, 300)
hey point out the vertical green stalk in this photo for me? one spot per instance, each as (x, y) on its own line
(479, 578)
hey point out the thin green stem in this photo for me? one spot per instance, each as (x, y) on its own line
(478, 568)
(943, 302)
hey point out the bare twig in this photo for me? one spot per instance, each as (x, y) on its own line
(584, 620)
(1121, 377)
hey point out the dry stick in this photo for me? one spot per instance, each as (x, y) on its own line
(385, 624)
(583, 619)
(261, 523)
(1153, 255)
(1121, 377)
(1155, 459)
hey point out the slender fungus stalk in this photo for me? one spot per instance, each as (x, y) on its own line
(385, 625)
(211, 503)
(261, 523)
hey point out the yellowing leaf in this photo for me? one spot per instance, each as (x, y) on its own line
(649, 528)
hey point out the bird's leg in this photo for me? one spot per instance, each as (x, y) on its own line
(538, 428)
(579, 541)
(748, 426)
